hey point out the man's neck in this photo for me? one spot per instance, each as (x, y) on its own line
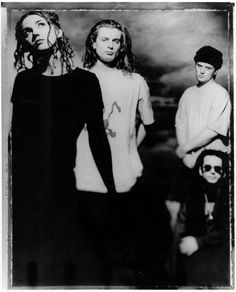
(105, 67)
(200, 84)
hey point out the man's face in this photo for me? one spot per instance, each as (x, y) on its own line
(204, 72)
(107, 44)
(211, 170)
(38, 33)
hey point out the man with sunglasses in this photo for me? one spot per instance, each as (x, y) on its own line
(202, 122)
(202, 234)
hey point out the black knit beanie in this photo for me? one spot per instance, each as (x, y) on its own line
(210, 55)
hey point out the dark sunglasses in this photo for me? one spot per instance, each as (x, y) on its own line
(217, 169)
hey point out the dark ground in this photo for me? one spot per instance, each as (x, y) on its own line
(79, 267)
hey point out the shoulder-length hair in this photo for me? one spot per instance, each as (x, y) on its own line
(37, 59)
(125, 58)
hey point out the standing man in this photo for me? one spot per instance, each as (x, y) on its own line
(108, 54)
(202, 122)
(52, 101)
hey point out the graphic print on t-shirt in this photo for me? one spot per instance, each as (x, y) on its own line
(109, 131)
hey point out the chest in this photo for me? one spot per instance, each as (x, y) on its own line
(119, 91)
(199, 104)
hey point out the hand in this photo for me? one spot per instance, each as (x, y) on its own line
(188, 245)
(181, 151)
(189, 160)
(219, 145)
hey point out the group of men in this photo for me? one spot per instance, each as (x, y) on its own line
(198, 200)
(76, 127)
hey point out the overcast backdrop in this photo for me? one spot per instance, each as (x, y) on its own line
(165, 36)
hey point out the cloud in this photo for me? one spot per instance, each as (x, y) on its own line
(172, 37)
(164, 40)
(171, 42)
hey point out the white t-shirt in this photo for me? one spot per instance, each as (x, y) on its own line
(122, 94)
(200, 107)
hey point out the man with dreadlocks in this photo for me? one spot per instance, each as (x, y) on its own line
(52, 101)
(108, 54)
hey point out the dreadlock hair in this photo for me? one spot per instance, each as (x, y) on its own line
(125, 58)
(38, 59)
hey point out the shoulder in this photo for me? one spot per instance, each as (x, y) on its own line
(139, 81)
(23, 81)
(219, 90)
(190, 90)
(188, 93)
(88, 85)
(138, 77)
(85, 75)
(218, 95)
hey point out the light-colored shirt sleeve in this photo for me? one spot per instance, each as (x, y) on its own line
(219, 117)
(180, 122)
(180, 117)
(144, 103)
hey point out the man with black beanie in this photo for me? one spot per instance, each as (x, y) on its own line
(202, 122)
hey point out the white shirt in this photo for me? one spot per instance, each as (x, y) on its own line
(207, 106)
(122, 94)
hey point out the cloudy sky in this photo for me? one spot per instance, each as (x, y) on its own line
(165, 36)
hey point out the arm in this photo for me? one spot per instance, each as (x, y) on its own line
(144, 130)
(97, 137)
(180, 121)
(101, 152)
(146, 112)
(220, 231)
(180, 135)
(191, 244)
(216, 233)
(141, 134)
(217, 124)
(204, 138)
(173, 207)
(188, 243)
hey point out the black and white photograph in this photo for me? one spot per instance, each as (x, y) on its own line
(117, 145)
